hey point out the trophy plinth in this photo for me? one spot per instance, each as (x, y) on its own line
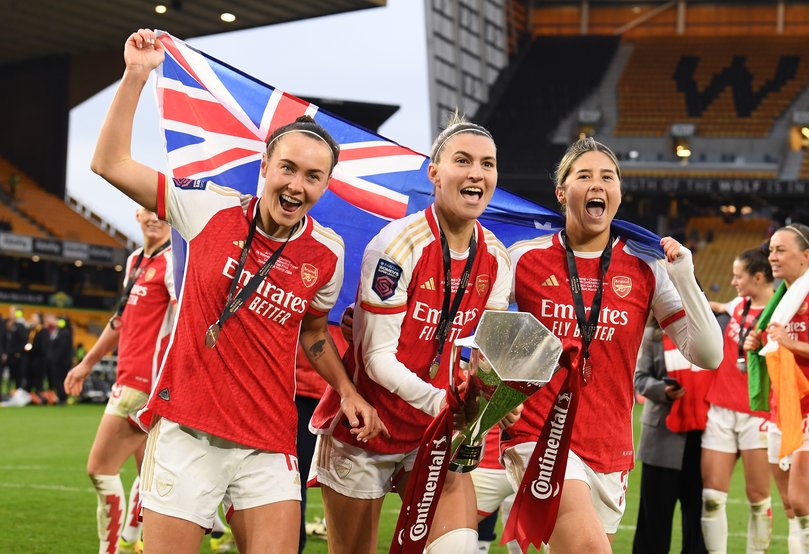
(512, 355)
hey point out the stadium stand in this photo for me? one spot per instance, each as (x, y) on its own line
(51, 213)
(727, 86)
(18, 223)
(713, 260)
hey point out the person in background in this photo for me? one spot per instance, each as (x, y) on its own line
(139, 329)
(789, 259)
(671, 461)
(734, 430)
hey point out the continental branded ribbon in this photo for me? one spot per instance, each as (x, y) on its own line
(536, 504)
(425, 484)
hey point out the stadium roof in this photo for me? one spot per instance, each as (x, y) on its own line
(32, 29)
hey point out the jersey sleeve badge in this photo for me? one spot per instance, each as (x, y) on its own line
(386, 278)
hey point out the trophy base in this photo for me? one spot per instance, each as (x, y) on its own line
(467, 458)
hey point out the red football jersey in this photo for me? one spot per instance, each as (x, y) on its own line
(397, 314)
(729, 389)
(243, 389)
(635, 285)
(147, 320)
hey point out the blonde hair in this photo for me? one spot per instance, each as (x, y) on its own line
(456, 124)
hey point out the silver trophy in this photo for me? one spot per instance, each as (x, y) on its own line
(512, 355)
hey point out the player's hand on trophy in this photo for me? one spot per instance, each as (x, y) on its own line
(511, 418)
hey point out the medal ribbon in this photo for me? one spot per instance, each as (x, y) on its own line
(232, 304)
(536, 505)
(133, 277)
(448, 312)
(587, 324)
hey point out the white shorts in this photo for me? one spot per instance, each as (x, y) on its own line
(125, 401)
(608, 490)
(356, 472)
(492, 486)
(774, 443)
(731, 431)
(187, 473)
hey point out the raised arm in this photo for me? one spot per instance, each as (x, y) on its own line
(697, 335)
(112, 158)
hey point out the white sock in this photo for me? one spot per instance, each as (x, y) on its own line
(714, 521)
(759, 526)
(131, 531)
(803, 524)
(219, 526)
(505, 509)
(110, 513)
(794, 538)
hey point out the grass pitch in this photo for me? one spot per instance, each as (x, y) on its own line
(47, 504)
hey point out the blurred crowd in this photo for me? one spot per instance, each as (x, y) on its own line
(35, 355)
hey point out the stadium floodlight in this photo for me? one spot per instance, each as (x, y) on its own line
(161, 9)
(227, 17)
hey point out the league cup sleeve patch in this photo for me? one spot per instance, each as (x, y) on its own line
(386, 277)
(190, 184)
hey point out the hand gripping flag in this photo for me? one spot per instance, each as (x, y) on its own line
(215, 120)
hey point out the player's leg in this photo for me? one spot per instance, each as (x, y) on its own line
(130, 534)
(184, 477)
(165, 534)
(354, 483)
(691, 494)
(719, 454)
(578, 528)
(799, 492)
(353, 523)
(268, 528)
(116, 439)
(454, 527)
(757, 485)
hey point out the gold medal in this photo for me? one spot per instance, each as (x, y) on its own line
(212, 334)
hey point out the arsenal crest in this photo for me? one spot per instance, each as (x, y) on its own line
(150, 274)
(308, 274)
(622, 285)
(482, 284)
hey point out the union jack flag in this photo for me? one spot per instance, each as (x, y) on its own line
(215, 120)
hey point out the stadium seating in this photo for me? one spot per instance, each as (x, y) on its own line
(19, 224)
(713, 260)
(51, 213)
(727, 86)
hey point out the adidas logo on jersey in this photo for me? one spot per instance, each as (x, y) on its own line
(239, 243)
(551, 282)
(428, 285)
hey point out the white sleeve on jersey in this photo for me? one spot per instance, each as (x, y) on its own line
(326, 296)
(190, 204)
(697, 335)
(168, 279)
(379, 334)
(730, 307)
